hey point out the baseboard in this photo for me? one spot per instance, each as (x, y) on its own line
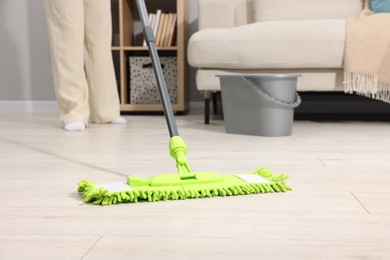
(28, 106)
(51, 106)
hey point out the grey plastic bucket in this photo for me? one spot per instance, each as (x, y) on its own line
(259, 104)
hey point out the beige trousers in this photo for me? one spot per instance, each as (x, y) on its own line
(80, 38)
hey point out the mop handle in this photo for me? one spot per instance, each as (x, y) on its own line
(162, 87)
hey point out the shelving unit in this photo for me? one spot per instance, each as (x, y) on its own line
(127, 41)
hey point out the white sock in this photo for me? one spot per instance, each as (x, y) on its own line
(119, 120)
(75, 126)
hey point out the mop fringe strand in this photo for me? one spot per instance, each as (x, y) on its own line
(101, 196)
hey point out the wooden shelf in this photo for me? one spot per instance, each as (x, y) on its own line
(127, 41)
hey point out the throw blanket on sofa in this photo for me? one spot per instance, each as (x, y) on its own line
(367, 56)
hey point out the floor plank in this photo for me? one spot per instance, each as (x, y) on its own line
(338, 209)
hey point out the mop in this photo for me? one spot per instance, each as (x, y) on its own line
(185, 184)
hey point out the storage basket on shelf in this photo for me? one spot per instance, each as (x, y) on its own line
(143, 85)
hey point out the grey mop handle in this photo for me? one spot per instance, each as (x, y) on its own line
(162, 87)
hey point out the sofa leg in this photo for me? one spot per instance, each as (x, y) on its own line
(215, 105)
(206, 95)
(207, 111)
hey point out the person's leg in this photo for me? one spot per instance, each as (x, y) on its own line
(66, 33)
(99, 66)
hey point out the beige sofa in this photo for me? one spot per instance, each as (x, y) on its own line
(271, 36)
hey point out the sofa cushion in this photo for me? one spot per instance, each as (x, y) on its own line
(221, 11)
(269, 10)
(274, 44)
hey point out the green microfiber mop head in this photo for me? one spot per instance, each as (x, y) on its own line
(184, 185)
(261, 181)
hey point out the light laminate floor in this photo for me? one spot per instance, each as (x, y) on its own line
(339, 208)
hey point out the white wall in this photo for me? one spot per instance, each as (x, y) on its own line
(25, 68)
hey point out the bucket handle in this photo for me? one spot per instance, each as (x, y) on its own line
(294, 104)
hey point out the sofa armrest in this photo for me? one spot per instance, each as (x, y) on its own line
(215, 14)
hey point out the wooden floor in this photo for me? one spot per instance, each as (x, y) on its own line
(339, 208)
